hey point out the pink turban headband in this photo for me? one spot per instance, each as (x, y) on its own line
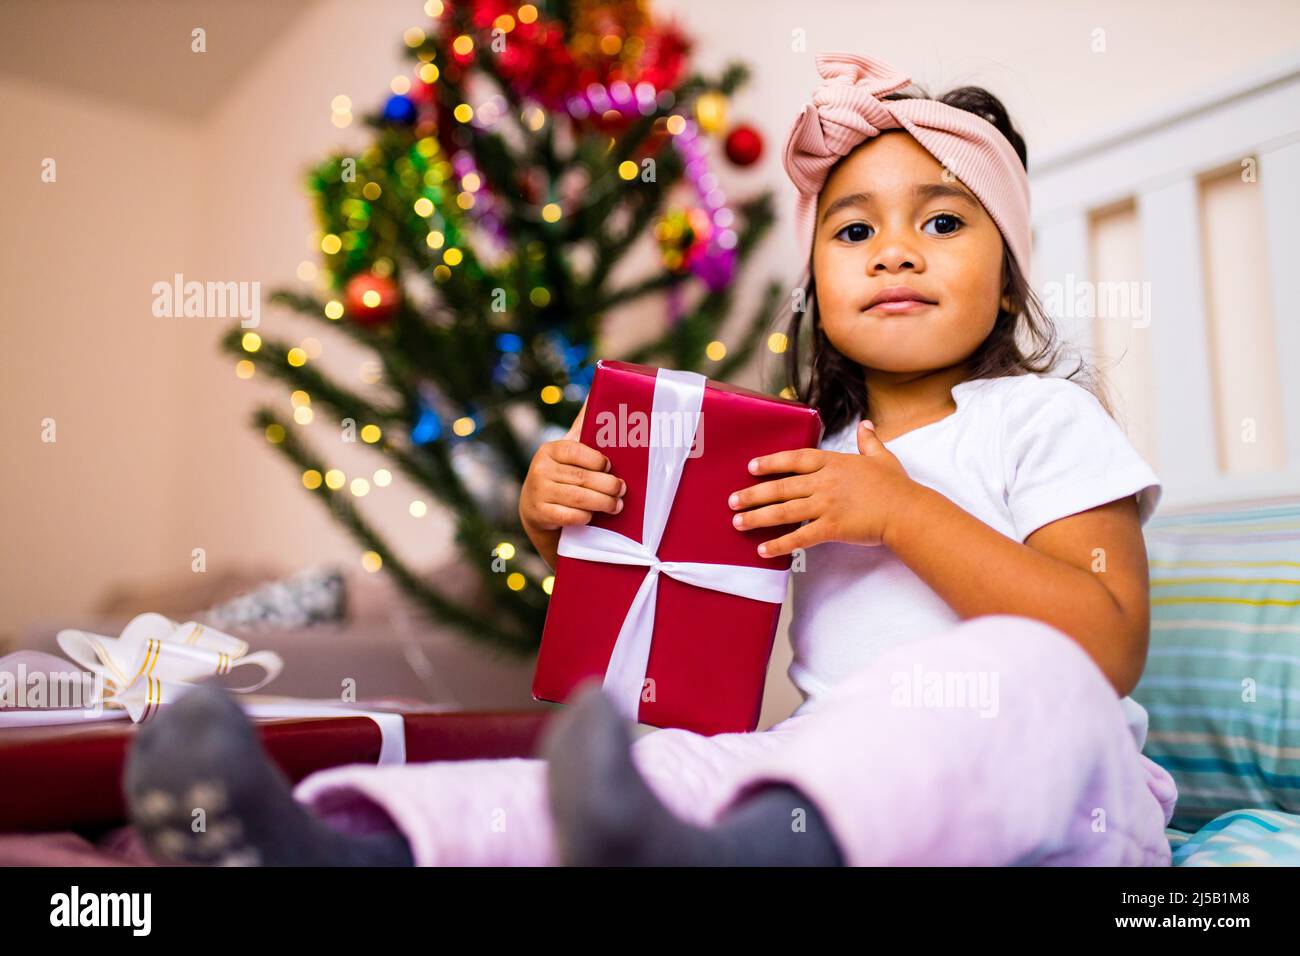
(845, 111)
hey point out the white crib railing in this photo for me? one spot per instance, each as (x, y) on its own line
(1156, 162)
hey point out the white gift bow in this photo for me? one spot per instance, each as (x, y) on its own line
(676, 393)
(155, 659)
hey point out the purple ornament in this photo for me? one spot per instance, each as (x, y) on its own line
(716, 267)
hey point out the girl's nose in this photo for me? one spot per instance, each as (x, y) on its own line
(893, 256)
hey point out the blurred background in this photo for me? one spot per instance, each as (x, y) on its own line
(1163, 151)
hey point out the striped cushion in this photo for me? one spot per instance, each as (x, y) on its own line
(1240, 838)
(1225, 625)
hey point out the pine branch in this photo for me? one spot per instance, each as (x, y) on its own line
(270, 357)
(755, 332)
(468, 619)
(496, 430)
(428, 466)
(758, 216)
(610, 249)
(397, 369)
(635, 291)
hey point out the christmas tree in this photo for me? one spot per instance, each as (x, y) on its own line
(470, 247)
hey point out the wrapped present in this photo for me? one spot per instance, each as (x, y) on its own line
(153, 660)
(667, 602)
(69, 775)
(148, 666)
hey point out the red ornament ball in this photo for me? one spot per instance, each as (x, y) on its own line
(370, 299)
(744, 145)
(421, 93)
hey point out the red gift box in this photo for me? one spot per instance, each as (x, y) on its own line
(70, 775)
(670, 652)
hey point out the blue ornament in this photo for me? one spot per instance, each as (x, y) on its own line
(399, 109)
(575, 354)
(427, 427)
(571, 355)
(509, 342)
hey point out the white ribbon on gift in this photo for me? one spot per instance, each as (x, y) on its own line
(155, 659)
(391, 724)
(676, 393)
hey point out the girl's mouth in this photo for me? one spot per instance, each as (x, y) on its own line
(898, 308)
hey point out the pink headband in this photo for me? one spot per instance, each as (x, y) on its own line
(845, 111)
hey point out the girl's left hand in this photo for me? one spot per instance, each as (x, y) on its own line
(843, 497)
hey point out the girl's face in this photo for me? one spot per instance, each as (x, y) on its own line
(886, 217)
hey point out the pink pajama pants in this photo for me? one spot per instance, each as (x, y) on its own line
(1048, 774)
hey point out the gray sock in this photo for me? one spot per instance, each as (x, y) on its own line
(201, 789)
(606, 815)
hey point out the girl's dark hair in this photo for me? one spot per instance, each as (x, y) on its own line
(1023, 339)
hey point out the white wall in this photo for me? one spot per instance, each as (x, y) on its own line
(255, 220)
(80, 346)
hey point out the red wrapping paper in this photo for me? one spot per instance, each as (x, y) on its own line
(708, 660)
(70, 775)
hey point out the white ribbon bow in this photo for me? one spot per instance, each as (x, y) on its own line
(676, 393)
(155, 658)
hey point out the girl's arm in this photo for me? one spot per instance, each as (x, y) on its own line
(1086, 574)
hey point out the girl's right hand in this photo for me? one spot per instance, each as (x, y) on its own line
(566, 482)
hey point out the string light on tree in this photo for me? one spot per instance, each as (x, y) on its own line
(341, 111)
(711, 111)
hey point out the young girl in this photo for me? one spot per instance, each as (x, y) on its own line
(972, 614)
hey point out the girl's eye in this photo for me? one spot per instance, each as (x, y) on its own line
(951, 218)
(859, 229)
(859, 226)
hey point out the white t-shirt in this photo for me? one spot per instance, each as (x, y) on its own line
(1018, 453)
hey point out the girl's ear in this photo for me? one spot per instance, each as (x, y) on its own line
(1008, 303)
